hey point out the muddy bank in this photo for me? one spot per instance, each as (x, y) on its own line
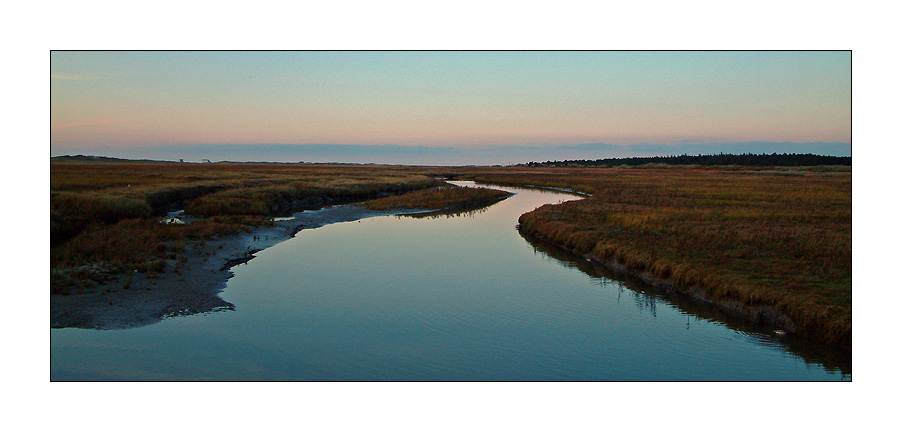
(191, 287)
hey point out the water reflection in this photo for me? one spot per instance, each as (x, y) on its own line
(441, 214)
(465, 211)
(646, 297)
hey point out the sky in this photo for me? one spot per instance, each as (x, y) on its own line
(445, 106)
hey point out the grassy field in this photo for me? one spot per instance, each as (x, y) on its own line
(760, 236)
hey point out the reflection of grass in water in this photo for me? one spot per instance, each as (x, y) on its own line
(451, 213)
(758, 237)
(448, 198)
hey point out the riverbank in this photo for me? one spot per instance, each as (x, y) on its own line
(191, 284)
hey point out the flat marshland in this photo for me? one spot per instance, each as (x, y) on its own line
(757, 236)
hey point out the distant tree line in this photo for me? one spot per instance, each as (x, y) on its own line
(83, 158)
(774, 159)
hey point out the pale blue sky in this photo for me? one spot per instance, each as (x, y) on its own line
(458, 99)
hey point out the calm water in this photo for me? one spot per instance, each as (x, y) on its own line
(446, 298)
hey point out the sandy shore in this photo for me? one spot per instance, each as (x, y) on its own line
(194, 286)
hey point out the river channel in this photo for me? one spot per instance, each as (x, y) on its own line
(460, 298)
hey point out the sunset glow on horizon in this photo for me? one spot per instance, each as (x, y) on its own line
(439, 99)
